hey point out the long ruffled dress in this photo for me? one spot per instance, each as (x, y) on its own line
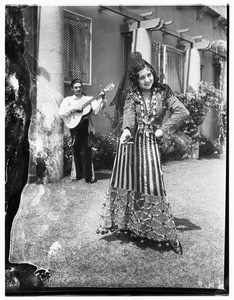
(136, 200)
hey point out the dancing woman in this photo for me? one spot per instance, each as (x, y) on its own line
(136, 200)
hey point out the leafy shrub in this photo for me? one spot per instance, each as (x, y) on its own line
(67, 154)
(208, 147)
(222, 124)
(175, 146)
(198, 103)
(104, 150)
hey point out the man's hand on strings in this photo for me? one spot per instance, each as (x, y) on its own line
(78, 107)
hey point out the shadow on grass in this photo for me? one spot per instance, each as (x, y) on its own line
(183, 224)
(102, 175)
(143, 244)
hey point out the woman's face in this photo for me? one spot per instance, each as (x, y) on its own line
(146, 79)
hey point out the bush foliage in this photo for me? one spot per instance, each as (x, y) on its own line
(199, 103)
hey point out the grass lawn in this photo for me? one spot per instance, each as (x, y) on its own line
(78, 257)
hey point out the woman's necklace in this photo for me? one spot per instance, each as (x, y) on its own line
(148, 112)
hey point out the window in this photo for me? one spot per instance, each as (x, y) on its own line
(169, 65)
(77, 47)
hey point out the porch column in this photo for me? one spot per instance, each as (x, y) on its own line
(194, 76)
(142, 43)
(28, 237)
(46, 132)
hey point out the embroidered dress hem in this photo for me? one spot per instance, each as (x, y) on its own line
(146, 216)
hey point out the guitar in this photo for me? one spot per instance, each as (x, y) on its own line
(73, 119)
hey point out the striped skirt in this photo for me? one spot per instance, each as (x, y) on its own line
(136, 199)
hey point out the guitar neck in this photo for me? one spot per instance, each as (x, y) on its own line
(106, 89)
(89, 101)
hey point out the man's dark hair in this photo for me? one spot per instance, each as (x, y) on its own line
(76, 80)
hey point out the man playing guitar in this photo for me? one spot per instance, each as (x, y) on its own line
(77, 117)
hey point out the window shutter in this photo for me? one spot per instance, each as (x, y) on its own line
(77, 47)
(173, 66)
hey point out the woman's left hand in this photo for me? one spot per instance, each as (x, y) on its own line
(158, 133)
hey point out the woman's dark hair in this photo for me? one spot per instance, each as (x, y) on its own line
(76, 80)
(140, 65)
